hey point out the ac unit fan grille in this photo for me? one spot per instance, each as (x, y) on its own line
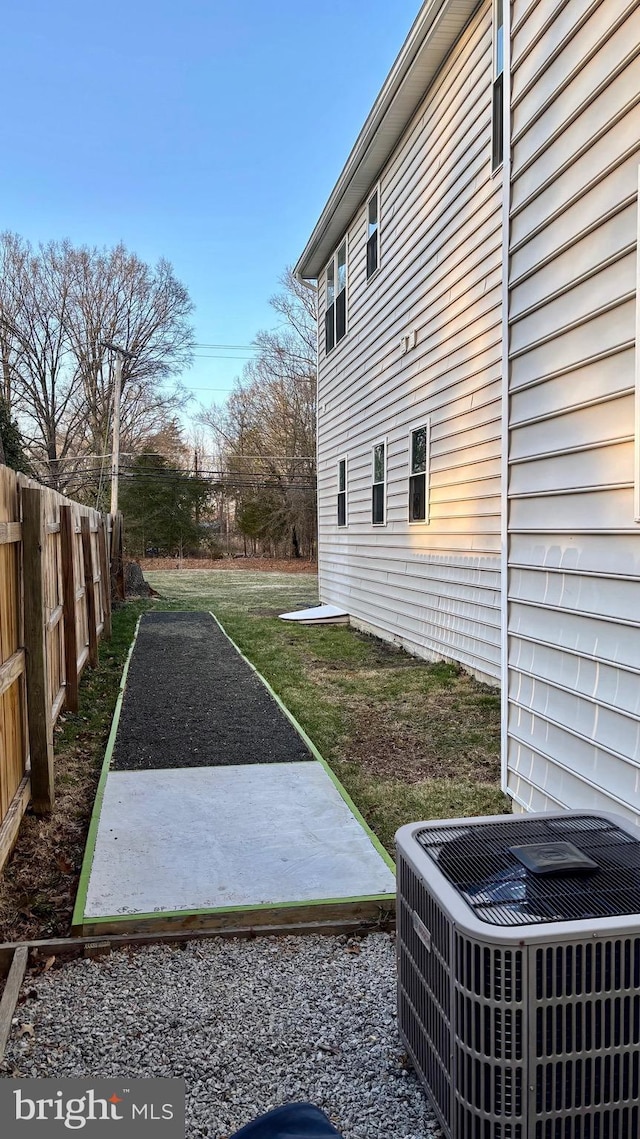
(587, 1082)
(424, 987)
(565, 1029)
(471, 1126)
(621, 1123)
(479, 862)
(588, 967)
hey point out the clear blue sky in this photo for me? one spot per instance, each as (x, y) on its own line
(210, 133)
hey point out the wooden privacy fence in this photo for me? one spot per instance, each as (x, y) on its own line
(55, 603)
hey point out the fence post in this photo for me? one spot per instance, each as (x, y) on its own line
(105, 576)
(67, 535)
(89, 590)
(35, 644)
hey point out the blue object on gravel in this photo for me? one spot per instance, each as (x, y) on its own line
(294, 1121)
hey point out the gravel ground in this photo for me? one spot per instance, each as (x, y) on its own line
(248, 1024)
(192, 701)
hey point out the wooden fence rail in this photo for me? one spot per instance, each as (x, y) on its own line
(55, 604)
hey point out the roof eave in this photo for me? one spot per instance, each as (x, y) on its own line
(432, 36)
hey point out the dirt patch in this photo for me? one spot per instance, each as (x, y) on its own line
(439, 732)
(38, 888)
(259, 565)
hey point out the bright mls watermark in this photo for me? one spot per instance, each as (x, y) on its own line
(129, 1109)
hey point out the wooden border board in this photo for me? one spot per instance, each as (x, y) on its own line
(11, 992)
(70, 948)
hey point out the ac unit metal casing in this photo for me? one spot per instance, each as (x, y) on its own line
(522, 1022)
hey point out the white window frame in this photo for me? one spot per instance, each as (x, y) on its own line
(370, 276)
(333, 261)
(497, 83)
(426, 425)
(378, 443)
(343, 525)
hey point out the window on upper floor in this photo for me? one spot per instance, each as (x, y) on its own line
(342, 492)
(378, 489)
(419, 474)
(497, 143)
(373, 233)
(335, 318)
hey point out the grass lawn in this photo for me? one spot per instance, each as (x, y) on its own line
(408, 739)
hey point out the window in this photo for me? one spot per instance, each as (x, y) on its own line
(342, 492)
(373, 233)
(497, 146)
(335, 320)
(418, 487)
(378, 487)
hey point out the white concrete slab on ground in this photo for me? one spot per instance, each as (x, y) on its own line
(318, 615)
(186, 839)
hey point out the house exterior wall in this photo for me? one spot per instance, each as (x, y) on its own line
(433, 587)
(573, 730)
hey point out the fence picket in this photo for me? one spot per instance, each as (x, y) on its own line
(89, 590)
(55, 601)
(35, 642)
(67, 534)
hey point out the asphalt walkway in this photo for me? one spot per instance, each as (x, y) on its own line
(192, 701)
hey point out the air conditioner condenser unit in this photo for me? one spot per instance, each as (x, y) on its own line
(519, 973)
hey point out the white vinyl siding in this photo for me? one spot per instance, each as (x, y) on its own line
(433, 589)
(573, 716)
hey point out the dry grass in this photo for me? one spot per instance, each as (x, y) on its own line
(250, 565)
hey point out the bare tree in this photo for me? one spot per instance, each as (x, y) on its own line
(57, 306)
(40, 376)
(119, 299)
(268, 428)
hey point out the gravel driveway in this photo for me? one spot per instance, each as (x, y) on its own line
(249, 1024)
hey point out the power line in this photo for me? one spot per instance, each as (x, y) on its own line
(224, 480)
(238, 347)
(154, 454)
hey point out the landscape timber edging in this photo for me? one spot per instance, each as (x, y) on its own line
(87, 861)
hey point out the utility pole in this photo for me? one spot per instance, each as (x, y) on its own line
(120, 355)
(115, 446)
(195, 464)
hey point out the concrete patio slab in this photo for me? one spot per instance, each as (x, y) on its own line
(179, 842)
